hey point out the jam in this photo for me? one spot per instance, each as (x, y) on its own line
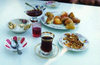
(34, 12)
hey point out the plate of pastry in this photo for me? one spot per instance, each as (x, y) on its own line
(62, 20)
(73, 41)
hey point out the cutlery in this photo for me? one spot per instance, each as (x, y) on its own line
(29, 5)
(17, 45)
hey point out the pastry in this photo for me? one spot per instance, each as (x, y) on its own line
(64, 14)
(49, 14)
(71, 15)
(11, 25)
(57, 20)
(50, 17)
(70, 26)
(68, 21)
(49, 20)
(75, 20)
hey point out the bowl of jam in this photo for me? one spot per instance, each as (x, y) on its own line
(36, 11)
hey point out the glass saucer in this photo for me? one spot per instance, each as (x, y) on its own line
(52, 54)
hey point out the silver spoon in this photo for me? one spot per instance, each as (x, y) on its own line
(17, 47)
(29, 5)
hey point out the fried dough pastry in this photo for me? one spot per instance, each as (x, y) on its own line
(71, 15)
(70, 26)
(64, 14)
(50, 17)
(57, 20)
(76, 20)
(63, 19)
(68, 21)
(49, 20)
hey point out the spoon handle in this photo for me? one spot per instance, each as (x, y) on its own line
(29, 5)
(19, 51)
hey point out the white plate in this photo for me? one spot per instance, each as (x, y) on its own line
(82, 38)
(54, 26)
(53, 53)
(52, 4)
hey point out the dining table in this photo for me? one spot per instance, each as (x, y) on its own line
(89, 27)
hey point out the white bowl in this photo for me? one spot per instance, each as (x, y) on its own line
(17, 26)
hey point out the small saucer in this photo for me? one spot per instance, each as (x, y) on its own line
(52, 54)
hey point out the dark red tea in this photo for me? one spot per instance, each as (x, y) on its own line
(46, 44)
(34, 12)
(36, 31)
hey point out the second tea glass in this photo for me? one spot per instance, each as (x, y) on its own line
(46, 43)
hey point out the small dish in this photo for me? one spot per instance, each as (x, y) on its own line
(21, 42)
(52, 54)
(81, 38)
(19, 25)
(52, 4)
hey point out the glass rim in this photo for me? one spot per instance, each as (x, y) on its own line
(49, 33)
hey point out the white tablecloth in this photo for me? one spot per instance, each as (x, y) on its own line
(89, 27)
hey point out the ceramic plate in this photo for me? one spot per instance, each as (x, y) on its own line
(52, 4)
(81, 38)
(54, 26)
